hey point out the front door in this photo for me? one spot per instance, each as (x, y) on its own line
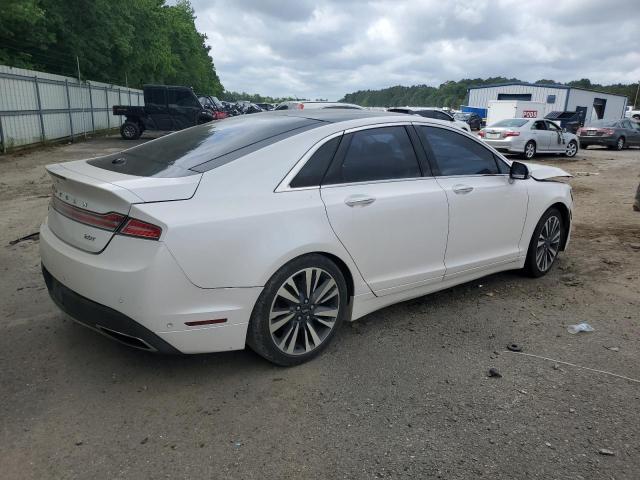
(486, 209)
(390, 218)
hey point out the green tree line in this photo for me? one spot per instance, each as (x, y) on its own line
(453, 94)
(114, 41)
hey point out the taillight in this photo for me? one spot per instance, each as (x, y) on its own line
(105, 221)
(300, 106)
(510, 133)
(608, 131)
(137, 228)
(579, 131)
(481, 133)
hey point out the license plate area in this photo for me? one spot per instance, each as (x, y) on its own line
(493, 135)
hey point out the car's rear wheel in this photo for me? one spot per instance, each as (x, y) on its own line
(545, 243)
(620, 143)
(572, 149)
(130, 131)
(529, 150)
(299, 311)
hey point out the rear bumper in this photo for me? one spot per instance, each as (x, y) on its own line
(104, 319)
(506, 146)
(606, 141)
(136, 288)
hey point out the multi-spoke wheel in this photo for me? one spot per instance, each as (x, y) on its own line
(545, 243)
(572, 149)
(299, 310)
(529, 150)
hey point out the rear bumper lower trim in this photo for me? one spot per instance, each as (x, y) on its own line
(105, 320)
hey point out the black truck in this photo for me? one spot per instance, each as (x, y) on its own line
(166, 107)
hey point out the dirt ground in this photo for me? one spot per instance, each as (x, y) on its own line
(402, 393)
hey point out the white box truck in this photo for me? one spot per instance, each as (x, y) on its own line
(504, 109)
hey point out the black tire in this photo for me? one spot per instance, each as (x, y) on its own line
(529, 150)
(130, 131)
(532, 266)
(570, 153)
(259, 336)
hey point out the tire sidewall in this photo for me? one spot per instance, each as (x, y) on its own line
(531, 267)
(576, 151)
(258, 333)
(619, 145)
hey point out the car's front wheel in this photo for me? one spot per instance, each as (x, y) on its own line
(299, 311)
(545, 243)
(572, 149)
(130, 131)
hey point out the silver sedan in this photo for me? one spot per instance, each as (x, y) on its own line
(528, 136)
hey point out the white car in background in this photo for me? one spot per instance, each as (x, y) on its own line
(432, 112)
(270, 230)
(528, 136)
(304, 105)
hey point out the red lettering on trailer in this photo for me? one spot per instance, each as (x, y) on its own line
(529, 114)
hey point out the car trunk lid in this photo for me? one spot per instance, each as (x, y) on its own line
(89, 204)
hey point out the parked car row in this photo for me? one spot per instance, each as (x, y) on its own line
(431, 112)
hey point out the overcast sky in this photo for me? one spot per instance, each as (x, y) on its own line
(328, 48)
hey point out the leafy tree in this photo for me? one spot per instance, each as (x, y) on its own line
(114, 41)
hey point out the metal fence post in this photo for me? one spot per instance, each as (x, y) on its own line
(106, 99)
(4, 145)
(42, 136)
(66, 85)
(120, 103)
(93, 122)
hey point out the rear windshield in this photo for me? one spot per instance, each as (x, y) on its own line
(204, 147)
(603, 123)
(513, 122)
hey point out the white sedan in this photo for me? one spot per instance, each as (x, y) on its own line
(528, 136)
(270, 230)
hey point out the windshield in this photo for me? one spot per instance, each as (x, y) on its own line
(204, 147)
(603, 123)
(512, 122)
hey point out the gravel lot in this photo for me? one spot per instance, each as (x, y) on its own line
(402, 393)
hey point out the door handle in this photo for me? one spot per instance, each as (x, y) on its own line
(359, 201)
(462, 189)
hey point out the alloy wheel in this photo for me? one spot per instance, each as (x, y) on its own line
(620, 144)
(530, 150)
(572, 149)
(548, 243)
(304, 311)
(129, 131)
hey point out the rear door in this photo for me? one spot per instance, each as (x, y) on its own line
(556, 138)
(486, 210)
(183, 106)
(391, 218)
(632, 132)
(155, 104)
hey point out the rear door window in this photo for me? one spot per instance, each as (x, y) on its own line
(155, 97)
(373, 154)
(456, 154)
(181, 98)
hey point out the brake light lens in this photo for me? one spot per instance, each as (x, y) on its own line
(580, 131)
(300, 106)
(481, 133)
(105, 221)
(510, 133)
(608, 131)
(137, 228)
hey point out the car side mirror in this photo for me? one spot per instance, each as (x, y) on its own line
(519, 171)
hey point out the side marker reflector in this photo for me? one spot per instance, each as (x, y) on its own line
(205, 322)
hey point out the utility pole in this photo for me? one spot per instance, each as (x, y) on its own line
(635, 102)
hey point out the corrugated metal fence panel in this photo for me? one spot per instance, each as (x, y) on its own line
(38, 106)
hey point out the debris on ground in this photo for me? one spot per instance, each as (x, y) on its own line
(493, 372)
(580, 327)
(514, 347)
(606, 451)
(613, 349)
(585, 174)
(32, 236)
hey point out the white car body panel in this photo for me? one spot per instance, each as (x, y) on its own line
(388, 261)
(547, 141)
(225, 232)
(545, 172)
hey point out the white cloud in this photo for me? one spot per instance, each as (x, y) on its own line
(327, 48)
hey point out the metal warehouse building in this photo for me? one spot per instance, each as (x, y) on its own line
(594, 105)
